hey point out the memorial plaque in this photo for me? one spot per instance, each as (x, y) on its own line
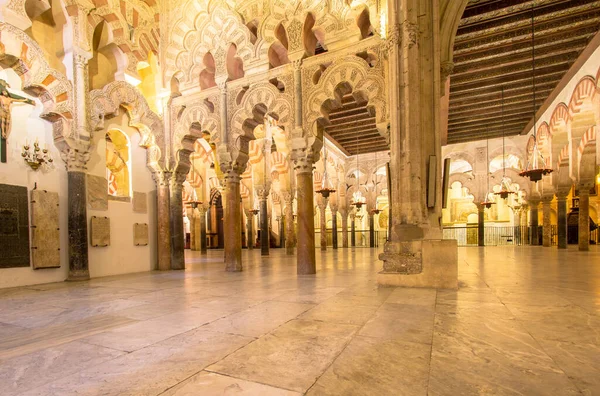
(97, 192)
(140, 202)
(100, 231)
(140, 234)
(45, 233)
(14, 227)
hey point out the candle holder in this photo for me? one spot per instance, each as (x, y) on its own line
(36, 157)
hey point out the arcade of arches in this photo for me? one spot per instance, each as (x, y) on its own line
(299, 197)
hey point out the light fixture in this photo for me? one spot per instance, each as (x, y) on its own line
(254, 211)
(357, 199)
(505, 190)
(534, 169)
(194, 204)
(37, 156)
(487, 203)
(326, 187)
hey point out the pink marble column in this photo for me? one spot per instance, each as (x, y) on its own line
(233, 216)
(306, 261)
(162, 180)
(584, 218)
(288, 198)
(344, 229)
(322, 211)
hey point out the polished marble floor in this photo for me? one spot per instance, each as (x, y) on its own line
(525, 321)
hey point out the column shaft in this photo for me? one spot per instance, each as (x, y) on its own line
(334, 230)
(584, 219)
(547, 237)
(345, 230)
(78, 243)
(176, 221)
(533, 211)
(202, 221)
(232, 218)
(371, 230)
(322, 210)
(163, 224)
(562, 222)
(353, 232)
(250, 230)
(264, 227)
(481, 225)
(289, 229)
(306, 261)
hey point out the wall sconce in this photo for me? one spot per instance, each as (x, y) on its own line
(37, 156)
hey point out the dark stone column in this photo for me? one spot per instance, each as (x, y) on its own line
(264, 224)
(334, 230)
(233, 219)
(163, 221)
(561, 202)
(533, 210)
(78, 243)
(289, 223)
(177, 235)
(481, 225)
(353, 231)
(547, 225)
(202, 219)
(250, 229)
(306, 261)
(281, 232)
(344, 229)
(584, 218)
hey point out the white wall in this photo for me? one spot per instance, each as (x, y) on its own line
(26, 124)
(122, 256)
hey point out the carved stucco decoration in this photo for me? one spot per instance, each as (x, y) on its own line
(212, 30)
(196, 115)
(358, 75)
(21, 53)
(107, 102)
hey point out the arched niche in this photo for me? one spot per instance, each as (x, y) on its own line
(207, 75)
(235, 65)
(107, 60)
(118, 163)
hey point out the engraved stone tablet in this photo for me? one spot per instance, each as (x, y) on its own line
(14, 227)
(140, 234)
(140, 202)
(100, 231)
(45, 237)
(97, 192)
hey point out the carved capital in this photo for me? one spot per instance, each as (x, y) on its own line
(75, 160)
(394, 37)
(262, 192)
(162, 178)
(411, 33)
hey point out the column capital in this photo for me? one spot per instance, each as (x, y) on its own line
(232, 175)
(76, 160)
(394, 37)
(546, 199)
(288, 197)
(262, 192)
(162, 178)
(303, 164)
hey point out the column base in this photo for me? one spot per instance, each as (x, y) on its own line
(429, 263)
(78, 276)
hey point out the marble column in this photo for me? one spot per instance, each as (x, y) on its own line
(250, 229)
(584, 218)
(323, 218)
(281, 223)
(533, 213)
(517, 225)
(288, 198)
(353, 230)
(77, 215)
(194, 230)
(480, 225)
(344, 229)
(334, 230)
(371, 229)
(176, 221)
(547, 225)
(163, 222)
(233, 216)
(264, 222)
(202, 225)
(306, 260)
(561, 208)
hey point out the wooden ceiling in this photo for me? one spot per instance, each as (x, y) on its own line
(493, 51)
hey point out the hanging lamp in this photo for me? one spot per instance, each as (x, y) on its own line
(375, 211)
(487, 203)
(505, 190)
(326, 186)
(357, 199)
(535, 169)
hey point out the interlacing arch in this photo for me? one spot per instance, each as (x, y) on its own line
(583, 92)
(544, 141)
(259, 101)
(21, 53)
(350, 74)
(196, 114)
(107, 102)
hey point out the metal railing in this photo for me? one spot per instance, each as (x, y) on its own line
(362, 238)
(498, 236)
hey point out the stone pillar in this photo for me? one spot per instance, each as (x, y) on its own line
(533, 213)
(517, 225)
(306, 261)
(202, 209)
(288, 198)
(176, 221)
(334, 230)
(250, 229)
(233, 218)
(371, 229)
(480, 225)
(323, 218)
(547, 225)
(263, 195)
(344, 229)
(163, 222)
(353, 230)
(584, 218)
(77, 214)
(561, 208)
(194, 230)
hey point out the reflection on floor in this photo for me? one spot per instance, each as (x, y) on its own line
(525, 321)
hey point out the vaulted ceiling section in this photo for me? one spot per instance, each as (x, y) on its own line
(493, 50)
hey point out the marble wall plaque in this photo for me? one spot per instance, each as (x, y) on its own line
(97, 192)
(100, 231)
(140, 234)
(45, 233)
(140, 202)
(14, 227)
